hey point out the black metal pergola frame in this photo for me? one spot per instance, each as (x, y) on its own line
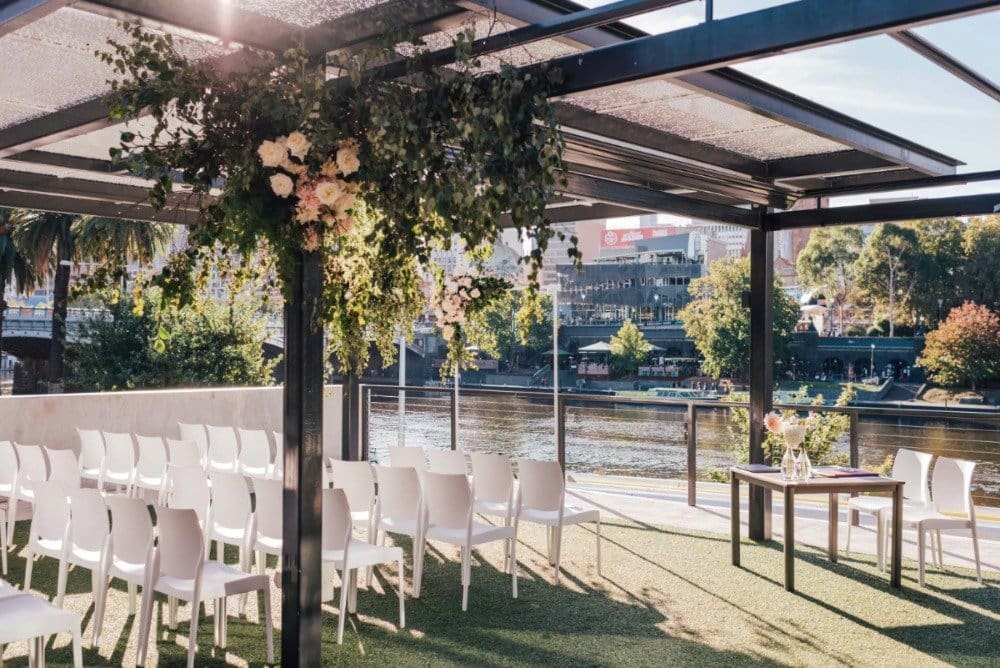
(615, 167)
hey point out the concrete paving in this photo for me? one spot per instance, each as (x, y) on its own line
(664, 503)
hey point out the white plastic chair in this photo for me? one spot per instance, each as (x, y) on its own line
(398, 510)
(27, 617)
(178, 569)
(277, 468)
(231, 518)
(541, 499)
(255, 453)
(125, 555)
(3, 537)
(91, 453)
(950, 509)
(63, 467)
(268, 527)
(911, 467)
(186, 487)
(32, 469)
(89, 529)
(181, 452)
(447, 461)
(118, 468)
(347, 554)
(48, 535)
(358, 483)
(152, 466)
(493, 486)
(8, 469)
(223, 449)
(408, 456)
(448, 517)
(197, 435)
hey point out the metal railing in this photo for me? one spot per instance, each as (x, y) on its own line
(873, 432)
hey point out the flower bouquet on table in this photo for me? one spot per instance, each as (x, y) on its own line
(795, 464)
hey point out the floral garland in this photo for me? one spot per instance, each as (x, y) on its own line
(458, 298)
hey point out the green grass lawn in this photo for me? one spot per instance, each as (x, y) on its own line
(667, 598)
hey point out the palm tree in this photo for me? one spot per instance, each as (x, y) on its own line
(57, 239)
(14, 268)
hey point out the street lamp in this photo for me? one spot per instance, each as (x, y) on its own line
(940, 304)
(872, 366)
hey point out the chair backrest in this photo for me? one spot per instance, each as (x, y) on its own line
(182, 452)
(119, 455)
(223, 449)
(407, 456)
(255, 451)
(181, 544)
(63, 467)
(91, 448)
(356, 479)
(152, 456)
(31, 466)
(89, 525)
(269, 495)
(186, 487)
(336, 519)
(230, 501)
(951, 486)
(914, 469)
(447, 461)
(448, 500)
(195, 433)
(492, 477)
(8, 468)
(398, 492)
(542, 484)
(131, 529)
(51, 514)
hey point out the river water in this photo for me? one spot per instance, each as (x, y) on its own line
(650, 441)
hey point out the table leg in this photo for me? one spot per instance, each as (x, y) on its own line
(832, 531)
(789, 539)
(897, 537)
(734, 514)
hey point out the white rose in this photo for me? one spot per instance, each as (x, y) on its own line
(292, 167)
(328, 192)
(344, 204)
(347, 160)
(448, 332)
(271, 153)
(282, 185)
(475, 293)
(298, 145)
(329, 169)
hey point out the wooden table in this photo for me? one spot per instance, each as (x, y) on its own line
(831, 486)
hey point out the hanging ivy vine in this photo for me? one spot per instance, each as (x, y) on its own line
(369, 171)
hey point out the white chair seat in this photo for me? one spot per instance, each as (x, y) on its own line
(49, 547)
(6, 489)
(91, 473)
(255, 471)
(87, 558)
(869, 504)
(395, 525)
(571, 515)
(268, 544)
(481, 533)
(217, 581)
(149, 482)
(134, 573)
(228, 534)
(24, 617)
(363, 554)
(494, 508)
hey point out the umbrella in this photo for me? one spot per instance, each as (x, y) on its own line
(560, 352)
(653, 348)
(599, 347)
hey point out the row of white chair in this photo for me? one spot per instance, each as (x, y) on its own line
(27, 617)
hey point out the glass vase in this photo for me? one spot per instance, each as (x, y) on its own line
(788, 464)
(803, 466)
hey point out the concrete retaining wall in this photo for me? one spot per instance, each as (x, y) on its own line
(52, 419)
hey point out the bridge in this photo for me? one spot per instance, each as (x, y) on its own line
(27, 331)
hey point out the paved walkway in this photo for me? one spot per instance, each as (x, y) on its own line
(664, 503)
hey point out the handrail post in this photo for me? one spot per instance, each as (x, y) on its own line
(692, 459)
(854, 459)
(561, 431)
(366, 397)
(454, 414)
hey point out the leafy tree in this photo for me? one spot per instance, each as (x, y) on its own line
(720, 325)
(15, 269)
(965, 348)
(629, 348)
(941, 241)
(889, 269)
(981, 276)
(496, 331)
(827, 263)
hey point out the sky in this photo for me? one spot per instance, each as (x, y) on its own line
(881, 82)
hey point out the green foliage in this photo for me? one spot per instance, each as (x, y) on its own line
(442, 152)
(889, 269)
(15, 268)
(826, 264)
(496, 330)
(942, 265)
(981, 275)
(629, 348)
(720, 325)
(965, 348)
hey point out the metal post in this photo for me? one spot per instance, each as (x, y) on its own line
(692, 458)
(555, 365)
(454, 411)
(350, 441)
(854, 458)
(401, 427)
(561, 431)
(761, 370)
(301, 580)
(366, 398)
(709, 10)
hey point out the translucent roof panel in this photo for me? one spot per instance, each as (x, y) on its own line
(485, 26)
(305, 13)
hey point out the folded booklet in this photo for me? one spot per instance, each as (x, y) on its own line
(840, 472)
(757, 468)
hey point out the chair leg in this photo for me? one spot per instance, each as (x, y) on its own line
(3, 541)
(513, 567)
(61, 583)
(598, 523)
(921, 552)
(557, 549)
(171, 613)
(29, 565)
(224, 623)
(401, 592)
(100, 600)
(145, 621)
(192, 631)
(419, 552)
(261, 562)
(132, 587)
(975, 552)
(344, 587)
(268, 624)
(466, 563)
(940, 550)
(11, 517)
(77, 648)
(847, 545)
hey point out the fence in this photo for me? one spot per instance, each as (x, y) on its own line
(655, 437)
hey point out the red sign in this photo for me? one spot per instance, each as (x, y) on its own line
(627, 238)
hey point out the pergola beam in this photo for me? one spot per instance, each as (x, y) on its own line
(825, 165)
(905, 184)
(947, 62)
(64, 160)
(941, 207)
(20, 199)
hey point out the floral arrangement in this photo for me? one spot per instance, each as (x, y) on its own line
(458, 298)
(791, 427)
